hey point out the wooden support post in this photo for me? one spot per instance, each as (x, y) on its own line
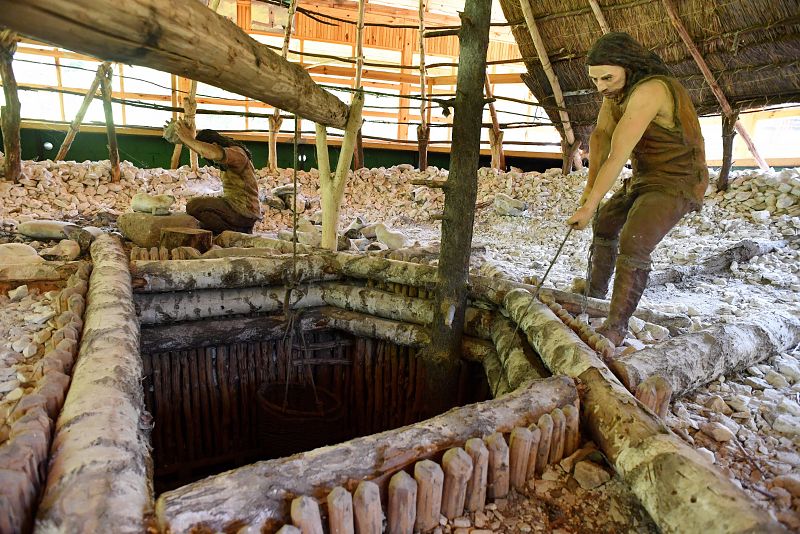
(727, 110)
(340, 511)
(520, 450)
(495, 133)
(189, 113)
(457, 466)
(559, 431)
(113, 151)
(12, 166)
(402, 509)
(536, 438)
(498, 466)
(459, 208)
(476, 486)
(728, 133)
(275, 120)
(305, 515)
(75, 125)
(358, 154)
(323, 158)
(541, 50)
(253, 71)
(545, 439)
(423, 132)
(430, 480)
(572, 432)
(598, 14)
(367, 508)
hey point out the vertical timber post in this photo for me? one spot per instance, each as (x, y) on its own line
(423, 132)
(358, 154)
(495, 133)
(113, 151)
(443, 354)
(12, 151)
(275, 120)
(728, 133)
(75, 125)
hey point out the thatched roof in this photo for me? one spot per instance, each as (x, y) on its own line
(751, 46)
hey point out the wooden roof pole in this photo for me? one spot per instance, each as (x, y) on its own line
(423, 132)
(75, 125)
(163, 35)
(541, 51)
(712, 83)
(495, 133)
(275, 121)
(113, 151)
(598, 14)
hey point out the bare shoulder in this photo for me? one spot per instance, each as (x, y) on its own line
(651, 89)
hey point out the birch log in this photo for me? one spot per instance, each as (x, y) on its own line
(100, 458)
(259, 493)
(164, 36)
(692, 360)
(689, 494)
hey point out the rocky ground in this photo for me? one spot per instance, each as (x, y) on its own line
(748, 424)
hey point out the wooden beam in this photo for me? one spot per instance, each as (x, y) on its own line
(113, 151)
(163, 36)
(598, 14)
(9, 122)
(244, 14)
(495, 133)
(275, 121)
(423, 133)
(728, 132)
(76, 122)
(674, 18)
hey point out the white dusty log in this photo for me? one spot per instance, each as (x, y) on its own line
(557, 440)
(340, 511)
(689, 494)
(259, 493)
(478, 481)
(305, 515)
(457, 467)
(367, 508)
(163, 36)
(430, 482)
(185, 275)
(518, 367)
(157, 308)
(100, 455)
(536, 438)
(498, 384)
(572, 433)
(402, 509)
(545, 426)
(520, 449)
(692, 360)
(228, 239)
(498, 484)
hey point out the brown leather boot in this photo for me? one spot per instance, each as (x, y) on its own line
(629, 284)
(604, 254)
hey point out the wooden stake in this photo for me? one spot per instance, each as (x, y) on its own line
(543, 455)
(495, 133)
(476, 487)
(536, 437)
(557, 443)
(305, 515)
(113, 152)
(423, 132)
(572, 432)
(75, 125)
(340, 511)
(498, 466)
(402, 508)
(457, 466)
(12, 166)
(367, 508)
(674, 18)
(541, 50)
(728, 133)
(520, 450)
(430, 480)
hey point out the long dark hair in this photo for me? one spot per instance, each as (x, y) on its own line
(622, 50)
(216, 138)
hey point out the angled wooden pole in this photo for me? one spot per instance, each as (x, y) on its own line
(728, 133)
(275, 121)
(12, 165)
(674, 18)
(495, 133)
(601, 18)
(568, 135)
(423, 132)
(447, 327)
(75, 125)
(113, 151)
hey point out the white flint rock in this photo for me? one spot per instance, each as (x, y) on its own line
(66, 250)
(717, 431)
(18, 293)
(43, 229)
(18, 253)
(590, 475)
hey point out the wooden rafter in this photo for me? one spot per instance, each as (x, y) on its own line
(598, 14)
(674, 18)
(76, 122)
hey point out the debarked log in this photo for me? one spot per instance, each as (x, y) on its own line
(183, 275)
(260, 494)
(518, 361)
(679, 488)
(692, 360)
(44, 276)
(100, 454)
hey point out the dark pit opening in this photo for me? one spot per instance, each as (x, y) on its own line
(221, 406)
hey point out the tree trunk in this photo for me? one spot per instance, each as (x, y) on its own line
(113, 151)
(459, 208)
(358, 154)
(692, 360)
(728, 133)
(680, 489)
(75, 125)
(423, 137)
(495, 133)
(163, 36)
(12, 166)
(101, 440)
(259, 494)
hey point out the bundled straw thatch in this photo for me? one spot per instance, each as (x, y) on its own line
(751, 46)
